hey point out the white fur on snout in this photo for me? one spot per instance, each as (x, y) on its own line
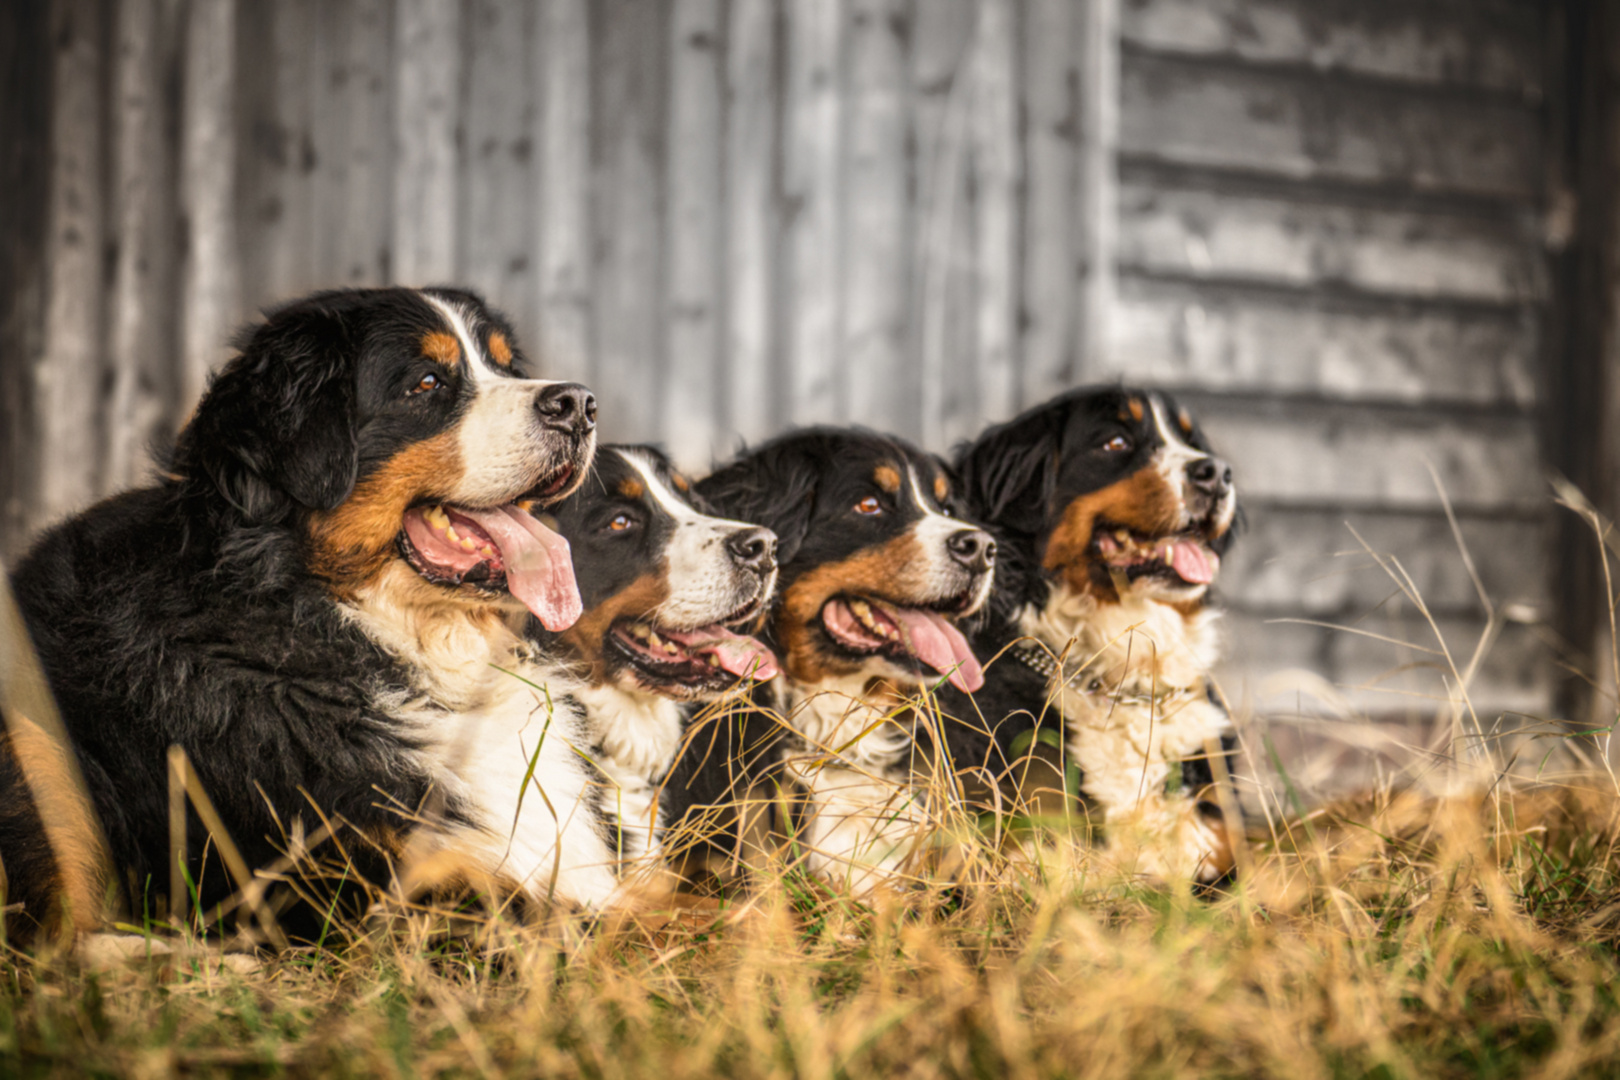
(502, 443)
(934, 532)
(1173, 460)
(705, 582)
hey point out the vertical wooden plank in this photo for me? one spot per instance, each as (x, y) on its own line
(142, 340)
(750, 189)
(563, 206)
(1099, 180)
(691, 421)
(427, 84)
(68, 383)
(629, 135)
(210, 293)
(942, 35)
(880, 389)
(996, 184)
(1051, 125)
(364, 255)
(814, 152)
(290, 219)
(496, 233)
(28, 70)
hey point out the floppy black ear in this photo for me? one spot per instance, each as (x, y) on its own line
(279, 422)
(1008, 472)
(774, 487)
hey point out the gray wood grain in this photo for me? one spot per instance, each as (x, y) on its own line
(563, 206)
(1491, 46)
(141, 339)
(427, 102)
(68, 375)
(1206, 334)
(211, 300)
(1306, 128)
(1301, 240)
(695, 254)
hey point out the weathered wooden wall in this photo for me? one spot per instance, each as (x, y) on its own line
(1320, 219)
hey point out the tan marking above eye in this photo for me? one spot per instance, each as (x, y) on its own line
(631, 488)
(1185, 420)
(443, 347)
(1135, 406)
(942, 487)
(682, 484)
(869, 506)
(500, 350)
(887, 477)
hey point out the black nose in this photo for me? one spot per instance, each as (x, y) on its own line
(567, 407)
(973, 548)
(754, 549)
(1211, 475)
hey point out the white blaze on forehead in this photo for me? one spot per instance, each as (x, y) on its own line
(935, 531)
(1175, 455)
(499, 434)
(705, 583)
(458, 325)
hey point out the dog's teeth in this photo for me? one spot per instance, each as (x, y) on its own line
(450, 531)
(714, 661)
(672, 649)
(1122, 535)
(861, 608)
(487, 552)
(639, 632)
(469, 544)
(653, 639)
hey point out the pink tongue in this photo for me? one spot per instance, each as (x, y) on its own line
(741, 655)
(539, 569)
(939, 645)
(1189, 560)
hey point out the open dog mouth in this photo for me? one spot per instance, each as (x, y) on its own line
(503, 548)
(907, 635)
(686, 663)
(1185, 557)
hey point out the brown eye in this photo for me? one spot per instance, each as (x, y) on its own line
(620, 523)
(869, 506)
(1117, 445)
(429, 382)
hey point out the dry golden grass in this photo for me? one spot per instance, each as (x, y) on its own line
(1454, 923)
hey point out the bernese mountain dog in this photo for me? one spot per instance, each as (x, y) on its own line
(322, 603)
(666, 588)
(1112, 513)
(877, 569)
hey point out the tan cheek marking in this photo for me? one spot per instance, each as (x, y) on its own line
(585, 638)
(941, 488)
(1185, 421)
(631, 488)
(355, 541)
(886, 571)
(887, 477)
(500, 349)
(81, 865)
(441, 347)
(1141, 501)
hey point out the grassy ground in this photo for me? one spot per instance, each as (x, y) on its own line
(1395, 937)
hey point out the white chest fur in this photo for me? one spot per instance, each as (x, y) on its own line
(500, 739)
(865, 816)
(636, 737)
(1134, 704)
